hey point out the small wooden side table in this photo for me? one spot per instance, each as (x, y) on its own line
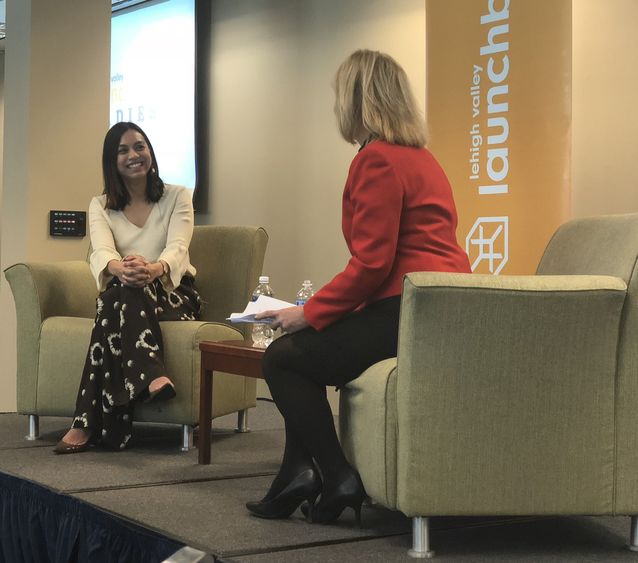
(230, 356)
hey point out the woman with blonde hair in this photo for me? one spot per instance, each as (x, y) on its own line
(398, 216)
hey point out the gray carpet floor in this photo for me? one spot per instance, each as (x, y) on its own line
(157, 486)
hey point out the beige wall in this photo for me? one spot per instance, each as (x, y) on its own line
(605, 119)
(1, 126)
(56, 111)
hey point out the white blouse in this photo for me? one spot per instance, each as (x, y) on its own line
(166, 236)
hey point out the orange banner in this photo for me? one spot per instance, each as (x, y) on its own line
(499, 114)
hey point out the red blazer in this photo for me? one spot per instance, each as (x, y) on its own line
(398, 216)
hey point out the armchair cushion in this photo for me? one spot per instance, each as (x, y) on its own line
(504, 400)
(369, 412)
(64, 341)
(183, 358)
(506, 394)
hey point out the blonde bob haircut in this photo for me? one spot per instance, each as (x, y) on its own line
(373, 99)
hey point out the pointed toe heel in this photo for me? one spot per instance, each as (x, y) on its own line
(304, 487)
(63, 447)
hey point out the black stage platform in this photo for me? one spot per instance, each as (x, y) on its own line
(159, 499)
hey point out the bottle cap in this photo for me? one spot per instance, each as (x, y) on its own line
(264, 279)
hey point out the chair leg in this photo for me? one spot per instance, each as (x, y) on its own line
(420, 538)
(34, 427)
(633, 534)
(187, 437)
(242, 421)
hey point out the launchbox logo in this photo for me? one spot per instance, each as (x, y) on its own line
(487, 242)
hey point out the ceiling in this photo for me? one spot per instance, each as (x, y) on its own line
(116, 5)
(3, 19)
(121, 4)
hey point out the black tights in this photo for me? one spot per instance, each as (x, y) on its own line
(299, 366)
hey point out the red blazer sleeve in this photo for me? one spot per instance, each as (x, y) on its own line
(373, 199)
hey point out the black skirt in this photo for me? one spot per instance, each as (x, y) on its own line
(126, 354)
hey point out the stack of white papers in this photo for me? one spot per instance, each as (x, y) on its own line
(263, 303)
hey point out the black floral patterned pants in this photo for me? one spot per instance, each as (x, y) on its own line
(126, 354)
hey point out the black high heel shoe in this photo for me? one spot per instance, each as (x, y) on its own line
(348, 493)
(304, 487)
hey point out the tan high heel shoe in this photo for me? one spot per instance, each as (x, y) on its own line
(63, 447)
(162, 393)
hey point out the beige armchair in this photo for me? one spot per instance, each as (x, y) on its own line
(510, 395)
(55, 307)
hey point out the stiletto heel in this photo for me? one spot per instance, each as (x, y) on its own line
(304, 487)
(357, 514)
(348, 493)
(327, 512)
(305, 506)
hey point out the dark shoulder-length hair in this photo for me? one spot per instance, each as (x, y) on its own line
(117, 196)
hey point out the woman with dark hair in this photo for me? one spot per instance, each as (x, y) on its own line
(140, 232)
(398, 216)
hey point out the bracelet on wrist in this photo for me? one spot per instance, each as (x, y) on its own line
(164, 275)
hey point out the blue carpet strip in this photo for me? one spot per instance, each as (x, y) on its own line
(40, 525)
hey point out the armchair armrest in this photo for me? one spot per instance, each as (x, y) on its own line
(42, 290)
(505, 393)
(57, 289)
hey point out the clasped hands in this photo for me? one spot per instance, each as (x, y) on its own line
(290, 319)
(135, 270)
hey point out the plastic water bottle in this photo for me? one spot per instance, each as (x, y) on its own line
(305, 293)
(262, 334)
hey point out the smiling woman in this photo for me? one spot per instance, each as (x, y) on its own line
(133, 155)
(140, 233)
(129, 167)
(133, 164)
